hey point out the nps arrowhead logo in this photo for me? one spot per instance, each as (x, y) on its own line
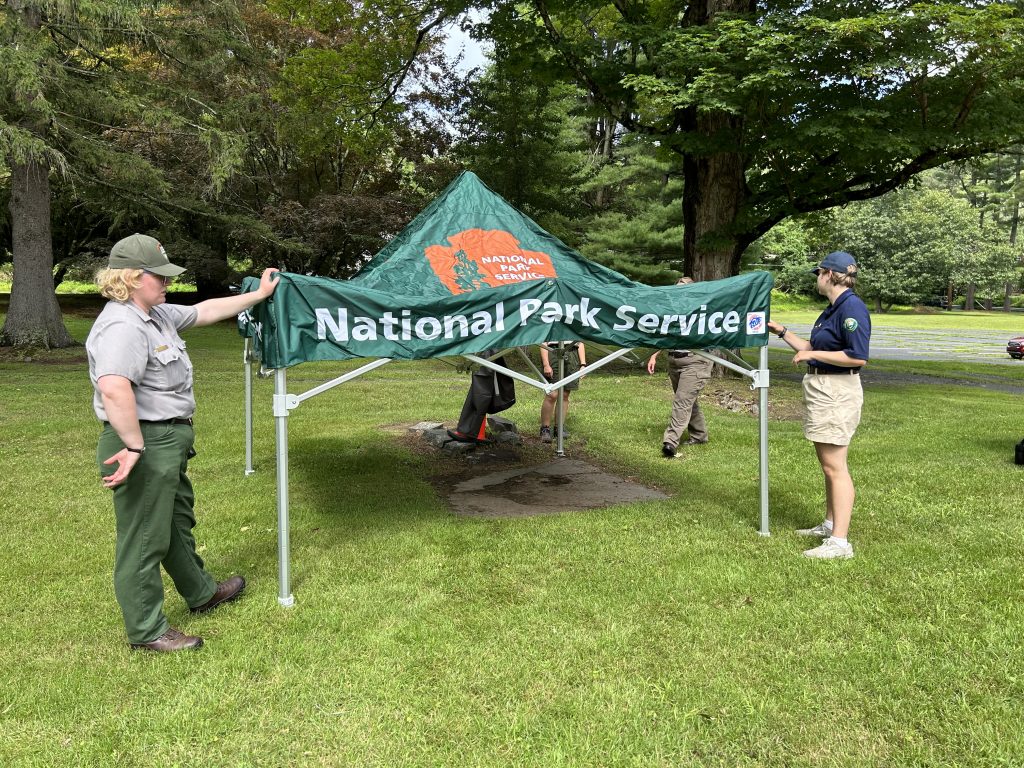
(486, 258)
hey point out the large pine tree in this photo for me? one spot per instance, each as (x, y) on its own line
(76, 81)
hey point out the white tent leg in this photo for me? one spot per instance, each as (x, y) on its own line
(247, 366)
(762, 398)
(284, 594)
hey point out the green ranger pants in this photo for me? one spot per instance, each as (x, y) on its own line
(154, 516)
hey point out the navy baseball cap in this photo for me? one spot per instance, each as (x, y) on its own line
(837, 261)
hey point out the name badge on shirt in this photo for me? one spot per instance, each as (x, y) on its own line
(161, 348)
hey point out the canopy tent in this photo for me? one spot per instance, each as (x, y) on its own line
(471, 273)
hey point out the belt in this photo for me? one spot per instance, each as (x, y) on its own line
(677, 354)
(164, 421)
(823, 372)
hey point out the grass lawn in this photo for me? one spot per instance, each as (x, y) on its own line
(805, 310)
(656, 634)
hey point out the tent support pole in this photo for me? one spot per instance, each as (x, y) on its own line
(546, 387)
(529, 362)
(247, 367)
(762, 397)
(284, 594)
(559, 401)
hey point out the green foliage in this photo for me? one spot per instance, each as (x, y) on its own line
(794, 302)
(544, 149)
(118, 95)
(992, 184)
(640, 231)
(819, 103)
(912, 244)
(528, 142)
(242, 134)
(790, 250)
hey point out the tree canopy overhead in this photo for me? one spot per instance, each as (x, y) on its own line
(220, 126)
(777, 108)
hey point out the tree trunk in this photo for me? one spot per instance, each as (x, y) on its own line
(607, 125)
(1015, 217)
(714, 190)
(1014, 223)
(714, 180)
(33, 318)
(969, 303)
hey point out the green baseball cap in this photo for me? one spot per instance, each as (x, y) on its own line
(142, 252)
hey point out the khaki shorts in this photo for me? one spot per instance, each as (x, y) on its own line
(833, 407)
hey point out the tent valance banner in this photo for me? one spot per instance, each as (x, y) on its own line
(472, 273)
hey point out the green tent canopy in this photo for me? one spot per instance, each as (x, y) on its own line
(469, 274)
(472, 273)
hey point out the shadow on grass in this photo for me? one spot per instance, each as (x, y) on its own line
(348, 495)
(361, 482)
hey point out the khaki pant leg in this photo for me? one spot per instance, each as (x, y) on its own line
(698, 427)
(688, 376)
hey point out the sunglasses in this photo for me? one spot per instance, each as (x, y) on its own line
(161, 278)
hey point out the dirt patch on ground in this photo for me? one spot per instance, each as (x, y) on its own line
(70, 356)
(559, 485)
(737, 396)
(521, 480)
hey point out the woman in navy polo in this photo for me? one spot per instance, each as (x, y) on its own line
(838, 349)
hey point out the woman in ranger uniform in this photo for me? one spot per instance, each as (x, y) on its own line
(838, 349)
(142, 377)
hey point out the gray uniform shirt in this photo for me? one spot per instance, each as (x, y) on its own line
(146, 350)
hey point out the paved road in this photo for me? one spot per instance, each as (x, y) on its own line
(906, 344)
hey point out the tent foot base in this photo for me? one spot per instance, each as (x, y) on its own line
(286, 602)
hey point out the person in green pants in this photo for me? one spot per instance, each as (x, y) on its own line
(142, 380)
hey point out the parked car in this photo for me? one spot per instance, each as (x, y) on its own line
(1015, 347)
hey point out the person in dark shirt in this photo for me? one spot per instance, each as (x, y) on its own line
(489, 392)
(836, 352)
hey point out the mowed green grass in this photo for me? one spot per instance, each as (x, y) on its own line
(654, 634)
(932, 320)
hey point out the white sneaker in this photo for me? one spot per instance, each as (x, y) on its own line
(819, 530)
(830, 549)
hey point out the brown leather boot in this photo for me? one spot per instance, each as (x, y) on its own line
(226, 592)
(170, 641)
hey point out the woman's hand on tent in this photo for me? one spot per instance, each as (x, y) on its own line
(268, 282)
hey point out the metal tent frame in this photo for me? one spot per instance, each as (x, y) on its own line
(284, 403)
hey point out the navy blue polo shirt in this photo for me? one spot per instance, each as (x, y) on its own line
(844, 327)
